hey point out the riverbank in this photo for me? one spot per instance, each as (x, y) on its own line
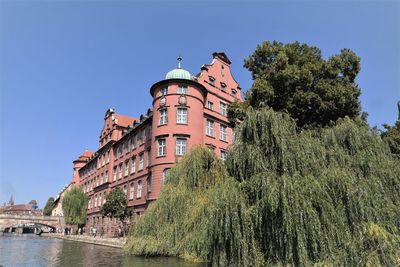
(103, 241)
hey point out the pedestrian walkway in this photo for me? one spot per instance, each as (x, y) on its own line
(105, 241)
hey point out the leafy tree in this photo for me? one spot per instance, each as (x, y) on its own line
(49, 207)
(324, 197)
(392, 137)
(116, 206)
(294, 78)
(74, 205)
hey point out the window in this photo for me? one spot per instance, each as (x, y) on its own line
(131, 191)
(89, 205)
(150, 133)
(141, 159)
(115, 173)
(181, 115)
(133, 165)
(108, 156)
(104, 160)
(223, 87)
(210, 128)
(97, 180)
(165, 174)
(95, 201)
(126, 168)
(134, 140)
(106, 177)
(122, 148)
(222, 71)
(148, 158)
(139, 189)
(120, 171)
(104, 197)
(211, 80)
(162, 147)
(223, 133)
(149, 181)
(125, 189)
(164, 91)
(182, 89)
(210, 105)
(163, 117)
(223, 108)
(100, 200)
(223, 155)
(101, 178)
(128, 145)
(119, 152)
(143, 135)
(181, 146)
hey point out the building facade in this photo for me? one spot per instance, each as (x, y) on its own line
(136, 153)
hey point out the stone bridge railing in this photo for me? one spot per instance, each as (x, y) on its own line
(8, 220)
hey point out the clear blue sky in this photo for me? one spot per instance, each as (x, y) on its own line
(63, 63)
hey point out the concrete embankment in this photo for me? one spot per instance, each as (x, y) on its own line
(104, 241)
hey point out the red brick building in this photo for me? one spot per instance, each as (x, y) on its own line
(136, 153)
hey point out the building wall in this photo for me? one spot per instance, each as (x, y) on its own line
(122, 143)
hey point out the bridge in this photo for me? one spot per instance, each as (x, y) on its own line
(9, 221)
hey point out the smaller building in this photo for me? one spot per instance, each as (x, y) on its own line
(57, 210)
(21, 209)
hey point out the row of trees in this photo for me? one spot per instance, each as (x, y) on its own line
(75, 201)
(308, 182)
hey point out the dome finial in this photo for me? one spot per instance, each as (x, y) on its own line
(179, 62)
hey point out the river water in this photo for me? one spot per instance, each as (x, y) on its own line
(32, 250)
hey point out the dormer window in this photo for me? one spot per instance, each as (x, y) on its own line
(233, 91)
(211, 80)
(222, 70)
(223, 86)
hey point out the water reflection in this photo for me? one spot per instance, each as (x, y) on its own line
(31, 250)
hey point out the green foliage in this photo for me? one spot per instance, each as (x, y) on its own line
(312, 193)
(392, 137)
(323, 197)
(116, 205)
(48, 208)
(74, 205)
(294, 78)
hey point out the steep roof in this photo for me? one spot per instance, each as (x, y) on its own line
(123, 120)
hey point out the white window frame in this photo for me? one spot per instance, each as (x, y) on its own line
(141, 161)
(126, 171)
(120, 171)
(133, 165)
(181, 146)
(223, 132)
(223, 154)
(131, 190)
(165, 174)
(181, 115)
(125, 189)
(163, 116)
(162, 147)
(210, 105)
(223, 108)
(210, 131)
(164, 91)
(139, 189)
(115, 173)
(182, 89)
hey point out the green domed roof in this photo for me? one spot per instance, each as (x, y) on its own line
(178, 73)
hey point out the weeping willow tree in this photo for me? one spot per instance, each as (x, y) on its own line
(326, 197)
(74, 205)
